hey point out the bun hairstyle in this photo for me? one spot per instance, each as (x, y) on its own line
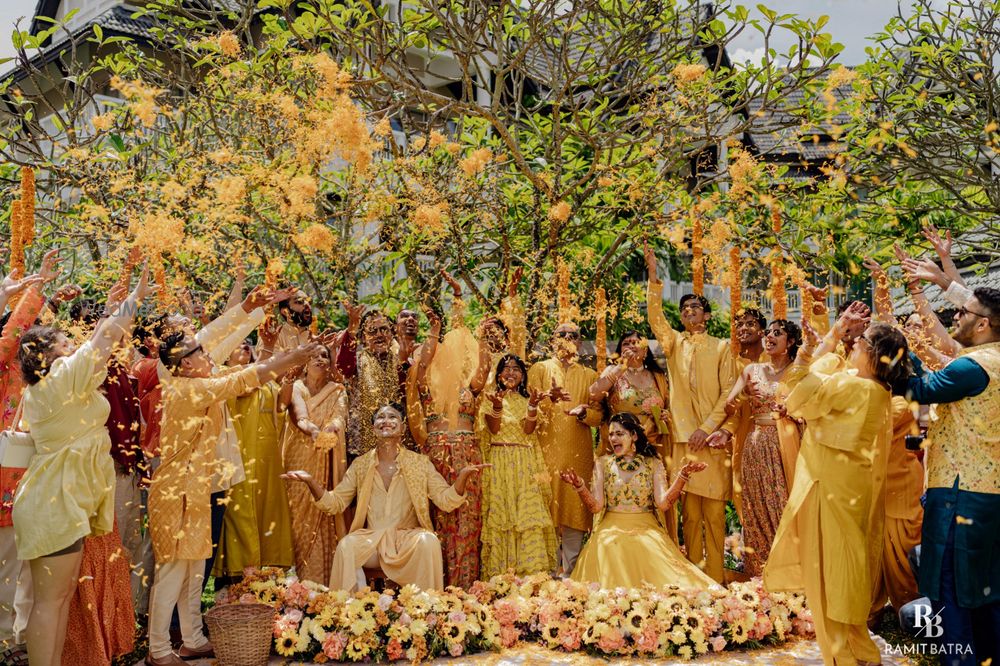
(631, 423)
(34, 354)
(890, 356)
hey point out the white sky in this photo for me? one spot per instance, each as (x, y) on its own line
(851, 22)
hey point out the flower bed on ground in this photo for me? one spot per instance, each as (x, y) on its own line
(313, 623)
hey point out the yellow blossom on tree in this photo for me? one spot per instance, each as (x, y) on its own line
(688, 72)
(383, 128)
(430, 217)
(316, 237)
(560, 212)
(158, 233)
(476, 161)
(301, 193)
(103, 122)
(229, 44)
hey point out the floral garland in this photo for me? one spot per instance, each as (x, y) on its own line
(317, 624)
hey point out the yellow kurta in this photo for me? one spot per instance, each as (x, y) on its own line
(67, 492)
(180, 493)
(566, 442)
(315, 535)
(257, 528)
(830, 537)
(393, 523)
(702, 371)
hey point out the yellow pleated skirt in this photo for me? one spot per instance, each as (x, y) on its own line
(630, 549)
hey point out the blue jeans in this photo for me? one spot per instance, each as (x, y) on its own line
(974, 629)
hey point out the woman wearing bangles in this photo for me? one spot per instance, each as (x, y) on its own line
(629, 547)
(517, 532)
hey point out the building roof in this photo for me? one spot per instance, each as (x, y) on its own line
(777, 134)
(903, 305)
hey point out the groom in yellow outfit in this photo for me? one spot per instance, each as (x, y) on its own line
(702, 371)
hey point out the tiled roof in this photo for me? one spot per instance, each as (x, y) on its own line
(777, 134)
(903, 305)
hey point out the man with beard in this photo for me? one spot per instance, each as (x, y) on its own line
(297, 313)
(565, 435)
(407, 327)
(375, 373)
(960, 537)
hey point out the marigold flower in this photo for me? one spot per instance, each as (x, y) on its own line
(560, 212)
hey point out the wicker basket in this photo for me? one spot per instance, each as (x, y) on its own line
(241, 633)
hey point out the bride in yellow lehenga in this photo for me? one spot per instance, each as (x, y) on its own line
(629, 547)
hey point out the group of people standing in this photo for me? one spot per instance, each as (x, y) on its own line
(364, 453)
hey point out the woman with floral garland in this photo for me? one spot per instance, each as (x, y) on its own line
(518, 532)
(629, 547)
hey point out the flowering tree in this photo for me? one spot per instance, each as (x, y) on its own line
(924, 131)
(556, 133)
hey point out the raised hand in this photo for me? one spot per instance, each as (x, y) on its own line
(456, 288)
(810, 337)
(496, 398)
(11, 286)
(50, 266)
(354, 313)
(268, 332)
(67, 293)
(941, 245)
(853, 321)
(874, 268)
(144, 288)
(534, 396)
(900, 253)
(650, 256)
(923, 269)
(579, 411)
(434, 319)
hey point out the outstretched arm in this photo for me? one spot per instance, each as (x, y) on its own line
(662, 330)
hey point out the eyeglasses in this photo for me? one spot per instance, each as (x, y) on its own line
(569, 335)
(962, 311)
(693, 306)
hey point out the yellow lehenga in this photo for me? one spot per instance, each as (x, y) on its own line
(628, 547)
(257, 528)
(518, 533)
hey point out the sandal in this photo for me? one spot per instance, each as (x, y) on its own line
(15, 655)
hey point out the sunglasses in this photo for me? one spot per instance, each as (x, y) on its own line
(569, 335)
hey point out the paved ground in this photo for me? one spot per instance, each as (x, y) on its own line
(793, 652)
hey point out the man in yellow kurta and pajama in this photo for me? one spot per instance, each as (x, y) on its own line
(192, 423)
(565, 435)
(702, 370)
(392, 526)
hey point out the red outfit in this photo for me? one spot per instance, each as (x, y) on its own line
(11, 386)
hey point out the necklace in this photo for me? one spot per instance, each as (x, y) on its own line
(629, 465)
